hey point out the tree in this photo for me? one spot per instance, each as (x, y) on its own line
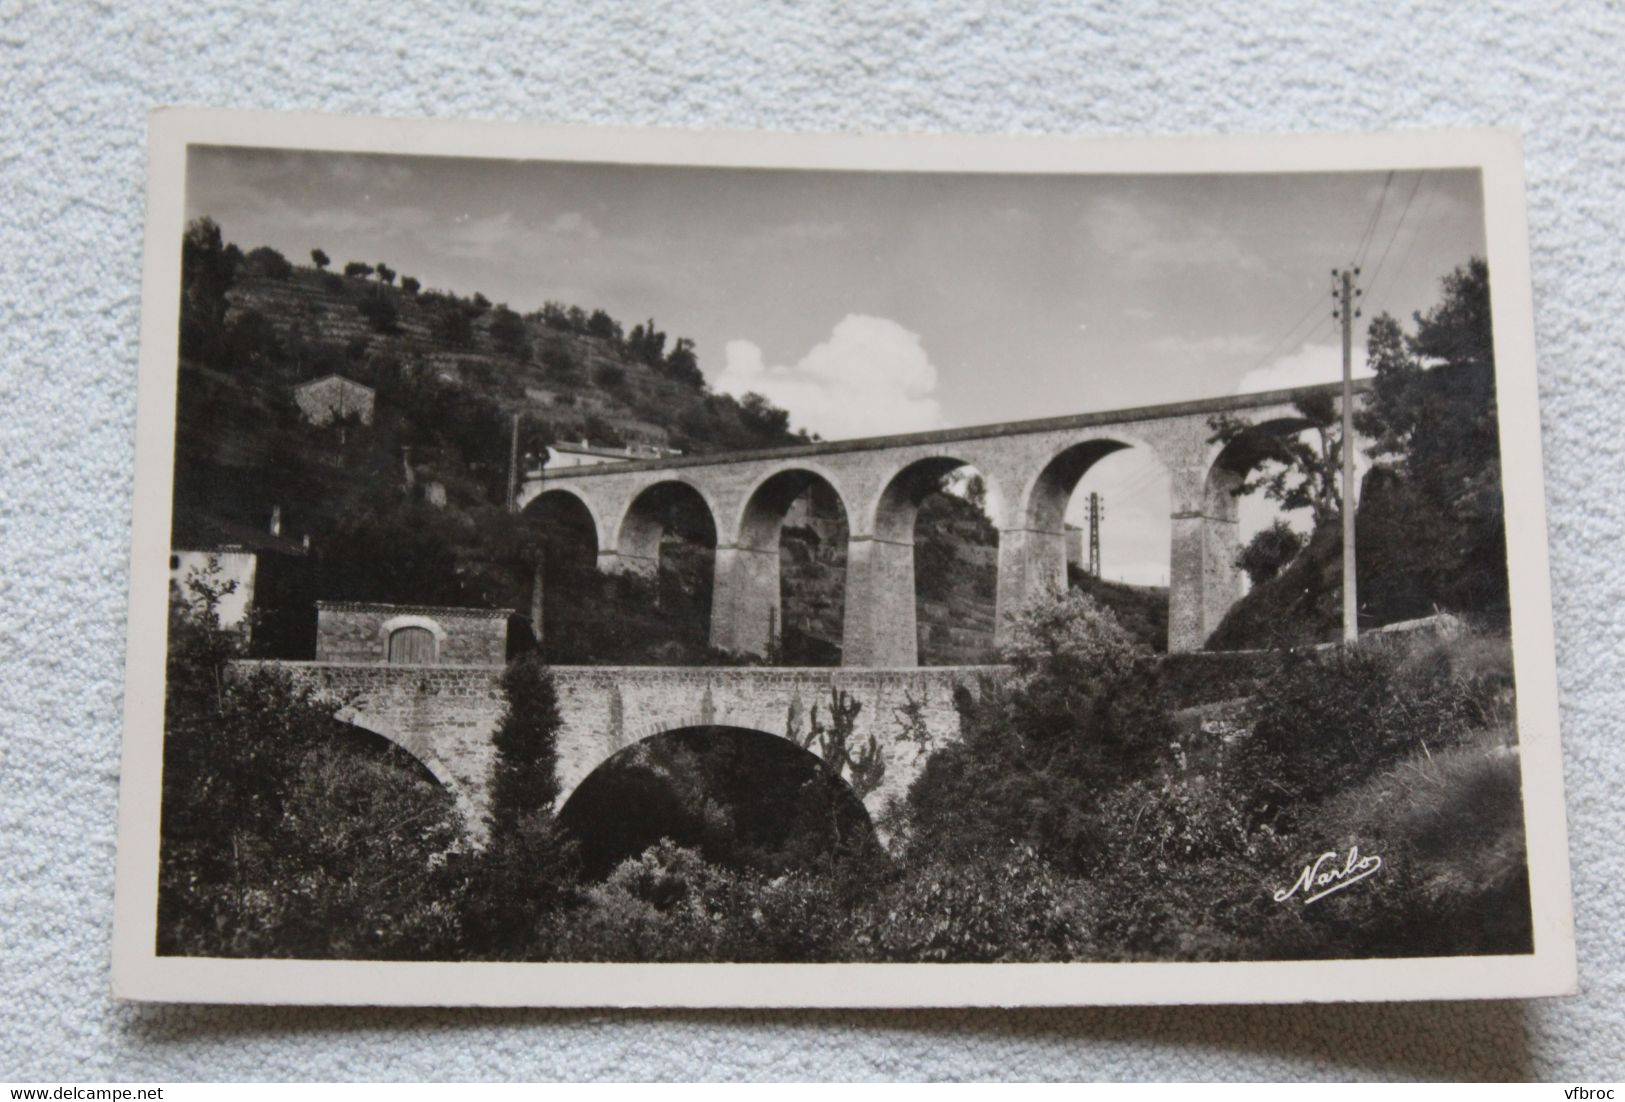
(281, 834)
(410, 285)
(267, 263)
(1297, 473)
(554, 316)
(208, 269)
(601, 325)
(1081, 713)
(1432, 416)
(524, 782)
(683, 365)
(507, 330)
(1388, 416)
(358, 269)
(386, 274)
(381, 313)
(320, 259)
(609, 376)
(1269, 551)
(763, 419)
(560, 364)
(452, 325)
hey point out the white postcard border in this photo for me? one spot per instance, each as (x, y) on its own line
(139, 973)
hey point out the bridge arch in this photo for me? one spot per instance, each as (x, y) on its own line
(668, 536)
(1211, 581)
(1033, 555)
(561, 509)
(882, 622)
(748, 606)
(469, 805)
(740, 795)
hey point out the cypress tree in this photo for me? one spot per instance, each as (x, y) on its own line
(525, 783)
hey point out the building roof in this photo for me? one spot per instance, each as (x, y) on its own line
(416, 610)
(329, 377)
(203, 533)
(631, 451)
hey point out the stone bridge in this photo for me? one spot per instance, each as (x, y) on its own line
(1031, 469)
(444, 716)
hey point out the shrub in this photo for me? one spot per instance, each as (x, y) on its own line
(281, 834)
(668, 904)
(1449, 829)
(1331, 719)
(1083, 711)
(1007, 905)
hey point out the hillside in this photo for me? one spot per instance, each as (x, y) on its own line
(410, 507)
(1141, 609)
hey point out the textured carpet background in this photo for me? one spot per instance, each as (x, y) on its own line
(78, 80)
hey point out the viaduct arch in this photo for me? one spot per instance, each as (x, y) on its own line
(1031, 468)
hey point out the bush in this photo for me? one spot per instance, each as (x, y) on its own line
(1007, 905)
(668, 904)
(1082, 712)
(282, 835)
(1449, 829)
(1331, 719)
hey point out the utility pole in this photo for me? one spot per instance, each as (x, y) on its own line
(513, 466)
(1095, 513)
(1345, 293)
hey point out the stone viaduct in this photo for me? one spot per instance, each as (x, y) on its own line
(1031, 469)
(444, 716)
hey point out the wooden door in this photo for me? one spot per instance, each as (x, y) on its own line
(411, 647)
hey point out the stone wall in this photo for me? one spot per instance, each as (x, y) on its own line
(354, 631)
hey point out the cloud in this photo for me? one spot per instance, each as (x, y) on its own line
(1153, 239)
(572, 223)
(871, 377)
(1307, 365)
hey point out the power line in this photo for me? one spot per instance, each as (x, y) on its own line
(1421, 222)
(1365, 239)
(1371, 226)
(1394, 236)
(1281, 345)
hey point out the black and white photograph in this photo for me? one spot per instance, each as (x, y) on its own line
(573, 551)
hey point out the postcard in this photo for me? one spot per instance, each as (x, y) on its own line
(589, 567)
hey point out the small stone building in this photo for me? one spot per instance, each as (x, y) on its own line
(410, 635)
(334, 398)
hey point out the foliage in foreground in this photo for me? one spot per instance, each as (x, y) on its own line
(283, 834)
(1071, 820)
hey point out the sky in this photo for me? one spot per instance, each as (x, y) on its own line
(876, 303)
